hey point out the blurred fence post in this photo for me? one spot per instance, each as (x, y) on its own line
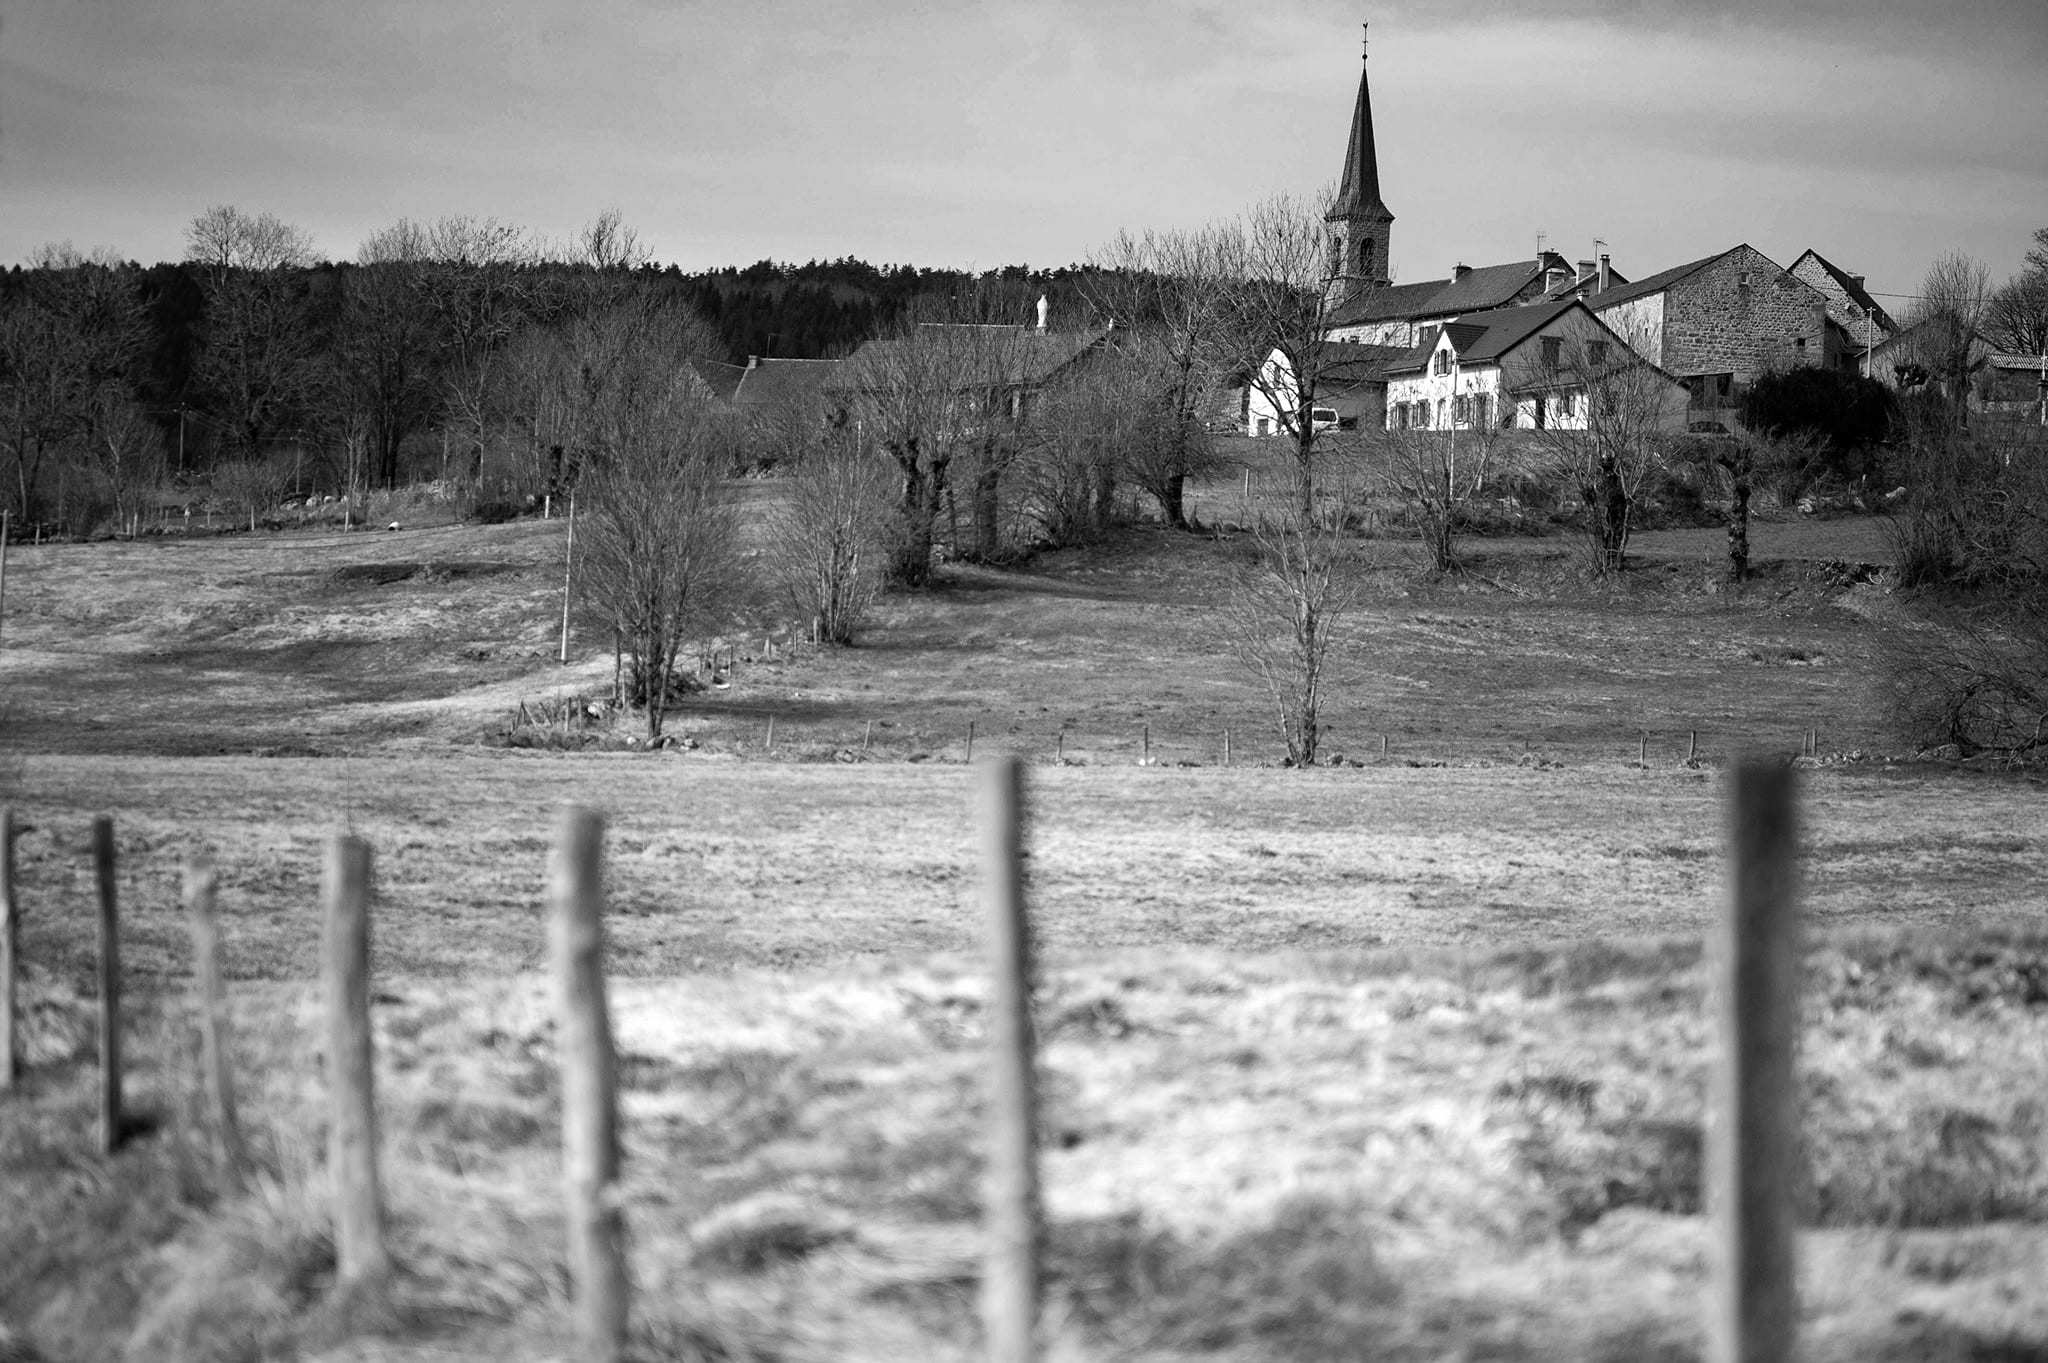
(1009, 1297)
(216, 1051)
(589, 1073)
(359, 1249)
(110, 986)
(10, 1049)
(1754, 1128)
(1226, 747)
(970, 740)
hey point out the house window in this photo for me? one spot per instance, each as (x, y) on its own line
(1799, 347)
(1461, 410)
(1443, 415)
(1443, 362)
(1422, 415)
(1365, 256)
(1553, 352)
(1596, 352)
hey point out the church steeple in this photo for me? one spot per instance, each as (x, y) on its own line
(1359, 219)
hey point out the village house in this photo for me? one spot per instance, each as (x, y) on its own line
(1532, 367)
(1719, 322)
(1350, 389)
(1862, 320)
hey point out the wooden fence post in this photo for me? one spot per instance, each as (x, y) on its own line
(1009, 1299)
(866, 734)
(1226, 747)
(110, 986)
(10, 1049)
(1059, 747)
(970, 740)
(1148, 743)
(589, 1070)
(216, 1053)
(359, 1249)
(1643, 752)
(769, 743)
(1692, 744)
(1754, 1133)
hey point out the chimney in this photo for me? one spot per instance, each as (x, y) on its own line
(753, 361)
(1044, 307)
(1602, 286)
(1551, 277)
(1460, 270)
(1855, 281)
(1585, 272)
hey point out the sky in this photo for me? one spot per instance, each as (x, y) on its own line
(1883, 133)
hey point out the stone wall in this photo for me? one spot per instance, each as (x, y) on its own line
(1743, 315)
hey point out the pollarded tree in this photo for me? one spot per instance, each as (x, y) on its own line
(1946, 327)
(1607, 428)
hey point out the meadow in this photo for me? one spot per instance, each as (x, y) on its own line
(1400, 1057)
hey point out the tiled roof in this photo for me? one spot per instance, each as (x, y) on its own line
(1396, 302)
(782, 385)
(1484, 337)
(1857, 294)
(1480, 288)
(1655, 283)
(1352, 362)
(977, 356)
(721, 378)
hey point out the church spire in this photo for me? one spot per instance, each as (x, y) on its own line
(1360, 191)
(1360, 222)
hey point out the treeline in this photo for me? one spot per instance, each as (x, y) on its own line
(417, 359)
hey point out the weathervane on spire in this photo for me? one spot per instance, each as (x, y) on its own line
(1365, 37)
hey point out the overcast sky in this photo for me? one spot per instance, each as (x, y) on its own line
(1881, 132)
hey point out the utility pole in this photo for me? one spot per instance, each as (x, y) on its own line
(568, 569)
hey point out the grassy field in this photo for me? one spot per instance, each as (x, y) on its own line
(1402, 1058)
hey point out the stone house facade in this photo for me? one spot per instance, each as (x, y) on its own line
(1719, 322)
(1863, 322)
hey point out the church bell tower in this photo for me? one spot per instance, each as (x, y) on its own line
(1360, 223)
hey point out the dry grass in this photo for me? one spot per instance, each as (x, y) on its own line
(1400, 1061)
(1307, 1156)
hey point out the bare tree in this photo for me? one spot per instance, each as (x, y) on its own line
(1275, 267)
(125, 449)
(608, 244)
(2017, 317)
(1946, 327)
(930, 397)
(657, 530)
(478, 286)
(831, 537)
(1167, 291)
(386, 348)
(1438, 473)
(1288, 613)
(258, 359)
(1604, 427)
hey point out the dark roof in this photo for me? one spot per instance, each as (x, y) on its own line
(1480, 288)
(1655, 283)
(1591, 284)
(1394, 303)
(980, 356)
(1359, 193)
(781, 386)
(1484, 337)
(1345, 363)
(721, 378)
(1856, 292)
